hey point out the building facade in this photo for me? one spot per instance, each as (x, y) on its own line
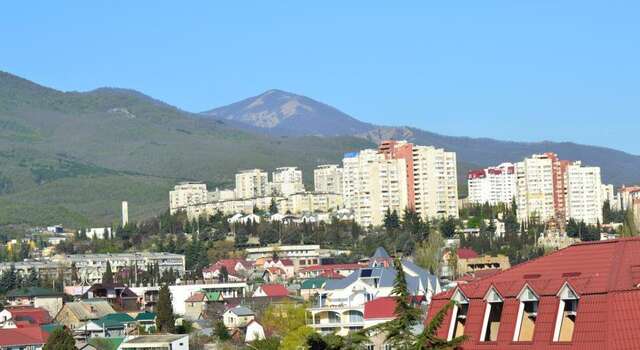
(493, 185)
(583, 194)
(251, 184)
(328, 179)
(535, 189)
(186, 194)
(436, 182)
(286, 181)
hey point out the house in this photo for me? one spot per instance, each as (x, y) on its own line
(146, 320)
(253, 331)
(157, 341)
(45, 298)
(271, 291)
(119, 295)
(238, 317)
(12, 316)
(469, 261)
(237, 269)
(244, 219)
(274, 275)
(581, 297)
(310, 287)
(340, 304)
(195, 306)
(285, 265)
(29, 338)
(76, 314)
(114, 325)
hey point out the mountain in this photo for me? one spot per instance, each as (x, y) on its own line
(265, 114)
(71, 157)
(278, 112)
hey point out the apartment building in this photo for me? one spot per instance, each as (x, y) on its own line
(608, 194)
(627, 194)
(91, 267)
(186, 194)
(251, 184)
(535, 188)
(493, 185)
(328, 179)
(583, 193)
(372, 185)
(435, 182)
(310, 202)
(286, 181)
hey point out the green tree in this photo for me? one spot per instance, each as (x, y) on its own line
(60, 339)
(428, 255)
(164, 317)
(107, 276)
(428, 339)
(270, 343)
(32, 280)
(273, 207)
(296, 339)
(221, 331)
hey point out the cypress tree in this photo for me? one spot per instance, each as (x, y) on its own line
(107, 276)
(164, 319)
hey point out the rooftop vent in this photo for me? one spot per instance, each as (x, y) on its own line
(571, 274)
(531, 276)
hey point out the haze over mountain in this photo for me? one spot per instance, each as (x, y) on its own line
(278, 112)
(71, 157)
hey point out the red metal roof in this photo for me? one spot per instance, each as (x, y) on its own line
(332, 267)
(331, 275)
(467, 253)
(229, 264)
(34, 315)
(380, 308)
(22, 336)
(604, 276)
(275, 290)
(196, 297)
(476, 173)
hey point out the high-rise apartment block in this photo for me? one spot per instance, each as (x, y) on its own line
(186, 194)
(328, 179)
(435, 182)
(372, 185)
(535, 190)
(251, 184)
(583, 193)
(286, 181)
(493, 185)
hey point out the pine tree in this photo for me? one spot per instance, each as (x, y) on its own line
(107, 276)
(164, 319)
(32, 280)
(60, 339)
(273, 208)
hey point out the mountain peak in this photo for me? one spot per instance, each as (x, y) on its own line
(285, 113)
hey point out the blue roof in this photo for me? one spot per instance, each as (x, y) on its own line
(380, 253)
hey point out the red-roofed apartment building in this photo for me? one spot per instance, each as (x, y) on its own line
(585, 296)
(30, 338)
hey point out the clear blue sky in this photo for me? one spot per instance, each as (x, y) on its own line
(515, 70)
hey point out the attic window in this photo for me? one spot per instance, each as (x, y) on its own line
(459, 315)
(527, 315)
(492, 316)
(567, 312)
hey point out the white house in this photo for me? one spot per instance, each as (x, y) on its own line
(238, 317)
(159, 341)
(254, 331)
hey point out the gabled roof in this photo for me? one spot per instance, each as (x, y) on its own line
(380, 308)
(274, 290)
(22, 336)
(89, 309)
(332, 267)
(312, 283)
(331, 275)
(605, 275)
(196, 298)
(146, 316)
(114, 320)
(32, 292)
(380, 253)
(241, 311)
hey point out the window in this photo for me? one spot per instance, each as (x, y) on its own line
(527, 315)
(459, 315)
(567, 312)
(492, 316)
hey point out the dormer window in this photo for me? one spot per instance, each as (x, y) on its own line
(492, 315)
(459, 315)
(527, 315)
(567, 312)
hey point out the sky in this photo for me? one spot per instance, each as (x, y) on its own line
(511, 70)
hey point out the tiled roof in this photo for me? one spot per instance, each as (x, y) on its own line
(10, 337)
(90, 309)
(34, 315)
(229, 264)
(332, 267)
(196, 297)
(331, 275)
(380, 308)
(274, 290)
(605, 275)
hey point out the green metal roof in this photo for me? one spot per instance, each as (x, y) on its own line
(49, 327)
(115, 320)
(312, 283)
(213, 296)
(146, 316)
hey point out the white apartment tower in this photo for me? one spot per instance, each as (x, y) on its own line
(186, 194)
(328, 179)
(286, 181)
(583, 193)
(372, 185)
(251, 184)
(435, 182)
(493, 185)
(535, 188)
